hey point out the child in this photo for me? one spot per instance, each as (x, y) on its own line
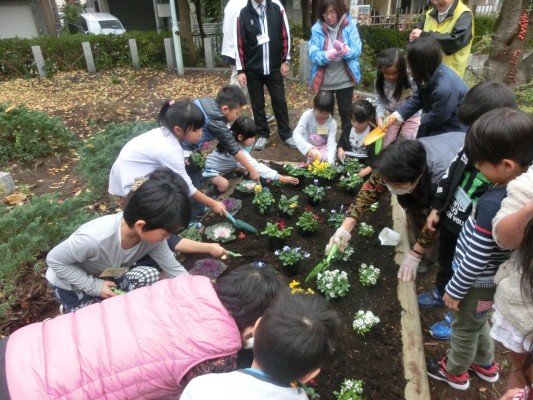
(153, 211)
(394, 87)
(292, 341)
(350, 143)
(315, 134)
(440, 91)
(221, 163)
(146, 344)
(501, 145)
(460, 188)
(179, 121)
(219, 113)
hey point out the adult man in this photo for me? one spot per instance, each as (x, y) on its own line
(263, 53)
(450, 22)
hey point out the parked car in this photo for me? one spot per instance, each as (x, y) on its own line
(101, 23)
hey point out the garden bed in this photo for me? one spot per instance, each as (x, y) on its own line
(375, 358)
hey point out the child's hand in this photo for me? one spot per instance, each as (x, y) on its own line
(340, 154)
(289, 179)
(219, 208)
(433, 220)
(379, 121)
(254, 175)
(216, 250)
(313, 153)
(451, 303)
(106, 290)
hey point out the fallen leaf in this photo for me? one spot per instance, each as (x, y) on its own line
(15, 198)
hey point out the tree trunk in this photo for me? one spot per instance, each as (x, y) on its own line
(306, 19)
(187, 42)
(505, 62)
(198, 12)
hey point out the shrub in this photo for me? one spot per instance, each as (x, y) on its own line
(27, 135)
(98, 153)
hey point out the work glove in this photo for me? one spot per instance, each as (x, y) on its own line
(341, 47)
(340, 238)
(332, 54)
(407, 271)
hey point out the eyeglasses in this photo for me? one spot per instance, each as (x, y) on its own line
(328, 13)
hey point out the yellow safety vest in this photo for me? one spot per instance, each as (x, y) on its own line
(458, 60)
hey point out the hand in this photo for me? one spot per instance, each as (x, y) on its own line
(341, 47)
(241, 77)
(415, 33)
(407, 271)
(106, 290)
(379, 121)
(393, 118)
(340, 154)
(216, 250)
(513, 394)
(219, 208)
(284, 70)
(289, 179)
(340, 238)
(433, 220)
(451, 303)
(313, 153)
(332, 54)
(254, 175)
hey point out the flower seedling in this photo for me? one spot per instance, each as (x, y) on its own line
(288, 206)
(350, 181)
(296, 171)
(222, 232)
(263, 199)
(345, 255)
(295, 288)
(208, 267)
(364, 321)
(322, 169)
(374, 206)
(289, 256)
(315, 191)
(308, 222)
(232, 205)
(246, 186)
(333, 284)
(352, 166)
(198, 159)
(278, 230)
(193, 232)
(351, 389)
(365, 230)
(335, 218)
(368, 275)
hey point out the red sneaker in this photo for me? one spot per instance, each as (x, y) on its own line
(487, 374)
(437, 369)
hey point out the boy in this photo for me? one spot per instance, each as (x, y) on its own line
(77, 266)
(293, 339)
(501, 145)
(220, 112)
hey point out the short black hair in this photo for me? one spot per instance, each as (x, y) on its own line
(424, 56)
(504, 133)
(388, 58)
(231, 96)
(363, 111)
(162, 202)
(338, 5)
(324, 101)
(244, 126)
(295, 336)
(402, 161)
(182, 113)
(484, 97)
(247, 291)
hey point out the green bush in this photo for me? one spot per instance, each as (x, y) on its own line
(27, 135)
(378, 38)
(98, 153)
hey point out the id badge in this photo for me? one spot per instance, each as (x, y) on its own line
(113, 272)
(322, 131)
(262, 39)
(462, 198)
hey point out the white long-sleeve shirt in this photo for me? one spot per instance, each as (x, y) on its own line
(307, 128)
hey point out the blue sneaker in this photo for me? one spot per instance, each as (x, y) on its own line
(430, 299)
(442, 330)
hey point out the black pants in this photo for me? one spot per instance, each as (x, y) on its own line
(256, 82)
(447, 243)
(344, 102)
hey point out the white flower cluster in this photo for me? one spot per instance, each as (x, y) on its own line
(222, 233)
(351, 389)
(368, 274)
(365, 229)
(333, 284)
(364, 321)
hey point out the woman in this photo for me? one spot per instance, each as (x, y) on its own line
(334, 51)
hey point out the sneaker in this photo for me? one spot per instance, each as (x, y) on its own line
(290, 142)
(270, 118)
(490, 374)
(437, 370)
(430, 299)
(261, 143)
(442, 330)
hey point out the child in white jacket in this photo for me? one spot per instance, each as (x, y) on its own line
(315, 134)
(220, 163)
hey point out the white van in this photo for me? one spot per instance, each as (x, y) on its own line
(101, 23)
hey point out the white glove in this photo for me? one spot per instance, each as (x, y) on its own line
(340, 238)
(407, 271)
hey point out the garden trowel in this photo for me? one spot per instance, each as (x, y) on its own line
(241, 224)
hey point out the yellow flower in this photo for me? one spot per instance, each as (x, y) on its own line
(258, 188)
(293, 284)
(293, 205)
(310, 291)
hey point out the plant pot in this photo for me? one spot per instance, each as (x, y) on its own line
(275, 243)
(291, 270)
(266, 212)
(312, 202)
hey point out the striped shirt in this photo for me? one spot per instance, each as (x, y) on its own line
(477, 256)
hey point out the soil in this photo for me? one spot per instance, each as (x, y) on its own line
(88, 102)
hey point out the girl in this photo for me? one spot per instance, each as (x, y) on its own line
(393, 87)
(315, 134)
(334, 50)
(179, 120)
(350, 143)
(440, 91)
(220, 163)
